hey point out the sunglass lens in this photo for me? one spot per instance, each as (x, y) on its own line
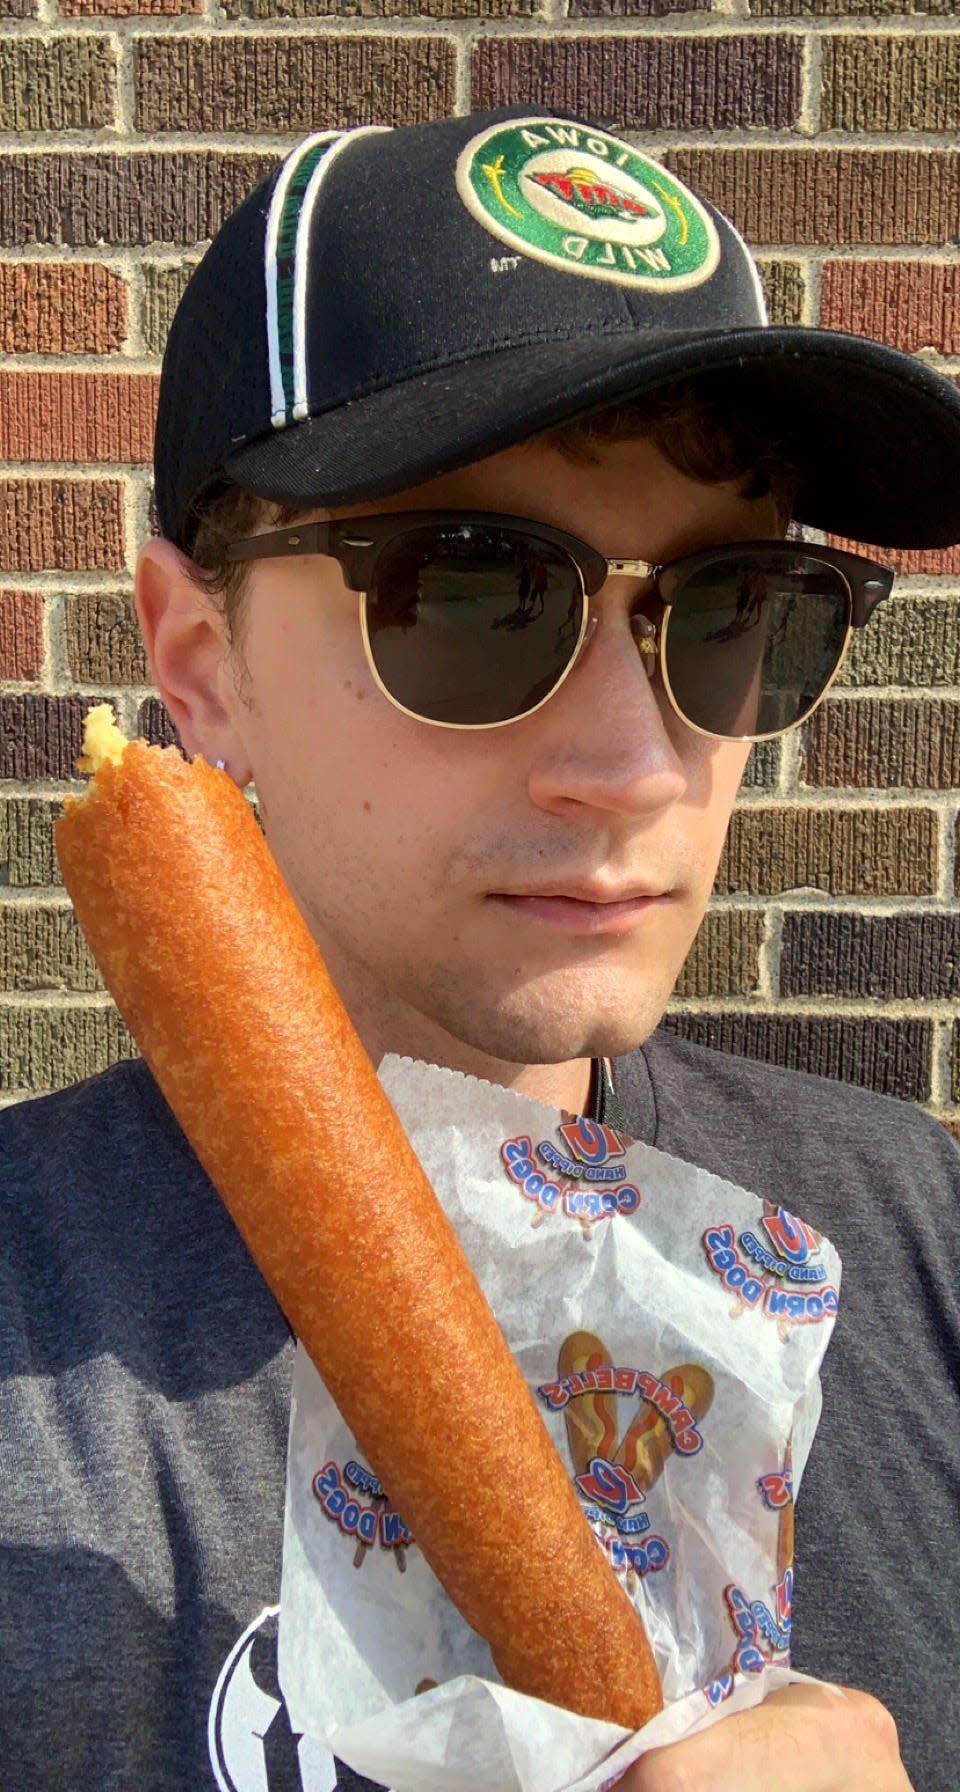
(471, 624)
(752, 641)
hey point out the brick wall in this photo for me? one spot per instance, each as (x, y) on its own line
(826, 128)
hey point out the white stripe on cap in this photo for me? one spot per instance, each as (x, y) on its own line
(300, 401)
(278, 402)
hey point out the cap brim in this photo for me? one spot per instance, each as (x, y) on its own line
(875, 433)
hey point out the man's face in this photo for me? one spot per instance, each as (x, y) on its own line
(506, 896)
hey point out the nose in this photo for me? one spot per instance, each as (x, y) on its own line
(604, 739)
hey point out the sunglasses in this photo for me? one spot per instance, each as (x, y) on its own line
(473, 620)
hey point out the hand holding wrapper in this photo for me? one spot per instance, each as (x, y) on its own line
(215, 973)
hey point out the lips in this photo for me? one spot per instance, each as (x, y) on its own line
(579, 908)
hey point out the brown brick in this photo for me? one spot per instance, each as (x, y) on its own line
(912, 304)
(18, 9)
(891, 1056)
(876, 957)
(51, 309)
(883, 743)
(655, 83)
(104, 644)
(43, 949)
(21, 634)
(890, 83)
(955, 1063)
(383, 9)
(154, 724)
(163, 288)
(122, 9)
(934, 561)
(844, 852)
(123, 198)
(784, 288)
(631, 9)
(61, 524)
(77, 416)
(40, 736)
(908, 641)
(724, 958)
(27, 858)
(763, 765)
(56, 84)
(829, 196)
(45, 1048)
(235, 82)
(872, 9)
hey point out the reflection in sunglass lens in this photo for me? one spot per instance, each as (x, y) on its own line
(472, 624)
(751, 642)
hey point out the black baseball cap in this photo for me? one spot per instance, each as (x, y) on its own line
(393, 303)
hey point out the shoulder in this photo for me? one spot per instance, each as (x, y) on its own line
(100, 1130)
(789, 1135)
(112, 1237)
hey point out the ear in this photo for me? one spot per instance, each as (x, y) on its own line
(185, 636)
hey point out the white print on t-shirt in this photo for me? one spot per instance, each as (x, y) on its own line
(252, 1745)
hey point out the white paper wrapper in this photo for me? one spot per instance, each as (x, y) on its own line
(671, 1329)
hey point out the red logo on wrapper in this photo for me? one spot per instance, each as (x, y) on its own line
(367, 1521)
(579, 1178)
(779, 1274)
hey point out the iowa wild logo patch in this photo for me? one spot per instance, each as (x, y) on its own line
(586, 202)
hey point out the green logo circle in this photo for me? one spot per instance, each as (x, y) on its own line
(584, 201)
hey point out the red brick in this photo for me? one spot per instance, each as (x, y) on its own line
(57, 84)
(890, 82)
(236, 82)
(41, 736)
(21, 634)
(883, 743)
(911, 304)
(123, 198)
(829, 196)
(51, 308)
(74, 416)
(933, 561)
(61, 524)
(655, 83)
(891, 1056)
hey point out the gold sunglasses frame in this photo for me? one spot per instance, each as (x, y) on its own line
(356, 544)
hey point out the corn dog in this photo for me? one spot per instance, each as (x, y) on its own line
(218, 979)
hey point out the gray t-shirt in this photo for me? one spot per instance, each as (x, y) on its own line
(144, 1399)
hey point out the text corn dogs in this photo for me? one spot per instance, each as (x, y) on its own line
(217, 977)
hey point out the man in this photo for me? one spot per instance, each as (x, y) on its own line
(409, 363)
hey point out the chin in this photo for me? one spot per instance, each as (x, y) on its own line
(539, 1033)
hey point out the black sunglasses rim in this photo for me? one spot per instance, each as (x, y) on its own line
(869, 581)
